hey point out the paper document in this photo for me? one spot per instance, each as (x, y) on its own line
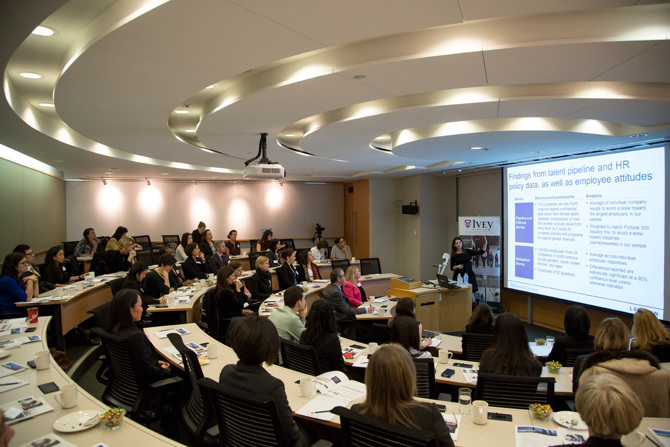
(470, 375)
(318, 407)
(453, 423)
(529, 436)
(337, 385)
(164, 334)
(660, 436)
(26, 408)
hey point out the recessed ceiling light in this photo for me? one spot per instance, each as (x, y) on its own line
(190, 130)
(46, 104)
(165, 173)
(181, 111)
(210, 86)
(43, 31)
(359, 77)
(289, 135)
(478, 148)
(29, 75)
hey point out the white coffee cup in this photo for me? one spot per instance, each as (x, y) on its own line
(58, 291)
(90, 275)
(307, 387)
(633, 439)
(212, 350)
(304, 283)
(443, 356)
(79, 285)
(480, 412)
(353, 259)
(170, 299)
(42, 360)
(372, 348)
(203, 282)
(67, 396)
(211, 276)
(198, 287)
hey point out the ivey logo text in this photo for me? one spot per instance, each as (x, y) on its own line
(483, 224)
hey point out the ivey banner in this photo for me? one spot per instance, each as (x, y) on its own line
(475, 232)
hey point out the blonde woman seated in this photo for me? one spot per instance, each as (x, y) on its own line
(639, 369)
(353, 290)
(610, 409)
(127, 250)
(395, 404)
(650, 335)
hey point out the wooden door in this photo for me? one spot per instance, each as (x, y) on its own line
(357, 217)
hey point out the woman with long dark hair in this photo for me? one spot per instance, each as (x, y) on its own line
(390, 382)
(481, 320)
(113, 242)
(124, 312)
(406, 331)
(186, 239)
(194, 266)
(577, 325)
(307, 269)
(229, 294)
(272, 252)
(321, 332)
(13, 288)
(262, 243)
(286, 274)
(461, 260)
(510, 354)
(406, 308)
(54, 270)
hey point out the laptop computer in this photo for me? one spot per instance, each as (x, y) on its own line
(443, 281)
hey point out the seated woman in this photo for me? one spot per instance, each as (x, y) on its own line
(406, 308)
(260, 283)
(135, 280)
(307, 270)
(577, 325)
(352, 289)
(159, 281)
(609, 408)
(286, 274)
(639, 369)
(649, 334)
(321, 332)
(194, 266)
(262, 243)
(255, 341)
(13, 288)
(54, 270)
(396, 404)
(237, 267)
(510, 354)
(186, 239)
(232, 245)
(229, 294)
(124, 312)
(272, 252)
(319, 251)
(113, 242)
(88, 245)
(207, 244)
(340, 250)
(127, 250)
(406, 331)
(481, 320)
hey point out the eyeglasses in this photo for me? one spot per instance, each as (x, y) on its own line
(30, 254)
(23, 263)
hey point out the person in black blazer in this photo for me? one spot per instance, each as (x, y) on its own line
(219, 258)
(333, 293)
(229, 295)
(198, 232)
(321, 332)
(207, 244)
(260, 284)
(272, 252)
(396, 404)
(481, 321)
(286, 274)
(194, 266)
(577, 325)
(255, 341)
(54, 270)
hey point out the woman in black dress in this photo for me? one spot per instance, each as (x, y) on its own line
(461, 260)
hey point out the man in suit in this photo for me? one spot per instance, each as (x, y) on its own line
(24, 249)
(343, 311)
(219, 258)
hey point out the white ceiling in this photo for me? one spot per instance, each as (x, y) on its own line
(118, 69)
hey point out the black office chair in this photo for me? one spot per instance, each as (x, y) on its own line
(103, 262)
(474, 345)
(115, 285)
(361, 430)
(69, 247)
(570, 355)
(147, 247)
(102, 242)
(128, 387)
(209, 318)
(171, 238)
(197, 417)
(425, 378)
(252, 260)
(288, 243)
(381, 333)
(244, 419)
(370, 266)
(514, 391)
(301, 358)
(341, 264)
(661, 352)
(252, 246)
(74, 267)
(101, 317)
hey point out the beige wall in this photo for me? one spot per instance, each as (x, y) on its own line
(34, 208)
(480, 194)
(291, 210)
(439, 221)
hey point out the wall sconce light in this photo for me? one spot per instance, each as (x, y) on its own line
(148, 182)
(104, 182)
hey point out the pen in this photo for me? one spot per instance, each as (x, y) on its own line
(322, 411)
(652, 441)
(10, 383)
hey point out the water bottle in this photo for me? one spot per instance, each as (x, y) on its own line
(459, 280)
(466, 280)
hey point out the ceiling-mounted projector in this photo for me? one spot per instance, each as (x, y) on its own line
(265, 169)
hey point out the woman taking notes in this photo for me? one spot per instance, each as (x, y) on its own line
(396, 404)
(13, 288)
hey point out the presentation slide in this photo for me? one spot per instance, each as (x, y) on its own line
(589, 230)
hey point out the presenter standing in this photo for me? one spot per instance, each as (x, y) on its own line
(461, 260)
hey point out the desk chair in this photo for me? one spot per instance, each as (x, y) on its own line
(370, 266)
(361, 430)
(301, 358)
(288, 243)
(115, 285)
(570, 355)
(252, 260)
(101, 317)
(147, 247)
(196, 416)
(244, 419)
(425, 378)
(474, 345)
(381, 333)
(102, 242)
(209, 317)
(661, 352)
(104, 262)
(252, 246)
(514, 391)
(69, 247)
(341, 264)
(171, 238)
(128, 387)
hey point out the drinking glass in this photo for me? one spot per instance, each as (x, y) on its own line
(464, 400)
